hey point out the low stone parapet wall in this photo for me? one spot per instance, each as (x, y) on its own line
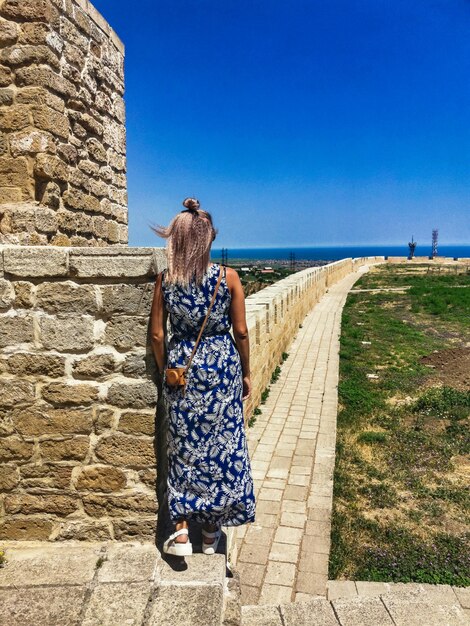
(78, 449)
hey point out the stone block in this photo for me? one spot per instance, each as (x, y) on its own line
(66, 332)
(128, 529)
(137, 422)
(34, 262)
(105, 419)
(66, 297)
(303, 613)
(94, 366)
(50, 166)
(71, 33)
(127, 299)
(21, 529)
(15, 328)
(76, 199)
(15, 449)
(29, 54)
(9, 477)
(100, 478)
(8, 33)
(13, 173)
(27, 504)
(198, 606)
(38, 564)
(14, 118)
(96, 150)
(14, 392)
(126, 451)
(117, 603)
(9, 195)
(30, 363)
(44, 420)
(72, 449)
(261, 616)
(125, 333)
(40, 95)
(31, 10)
(148, 476)
(45, 77)
(136, 395)
(99, 506)
(46, 475)
(7, 293)
(31, 142)
(6, 96)
(131, 562)
(85, 266)
(46, 118)
(138, 365)
(358, 611)
(341, 589)
(63, 393)
(83, 530)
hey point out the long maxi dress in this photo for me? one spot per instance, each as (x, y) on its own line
(209, 471)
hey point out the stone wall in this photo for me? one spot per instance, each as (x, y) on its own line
(79, 438)
(62, 133)
(77, 399)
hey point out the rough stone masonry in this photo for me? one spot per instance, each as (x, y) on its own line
(62, 126)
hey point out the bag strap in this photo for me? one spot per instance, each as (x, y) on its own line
(205, 320)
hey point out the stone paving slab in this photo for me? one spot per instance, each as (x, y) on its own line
(108, 584)
(283, 555)
(404, 605)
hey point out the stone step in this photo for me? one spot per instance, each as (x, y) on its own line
(405, 606)
(110, 584)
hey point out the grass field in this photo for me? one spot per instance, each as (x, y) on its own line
(401, 484)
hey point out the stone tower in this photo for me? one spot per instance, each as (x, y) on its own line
(62, 133)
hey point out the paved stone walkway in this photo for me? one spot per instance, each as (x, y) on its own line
(283, 556)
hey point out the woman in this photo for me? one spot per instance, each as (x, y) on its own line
(209, 472)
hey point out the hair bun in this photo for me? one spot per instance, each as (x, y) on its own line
(192, 204)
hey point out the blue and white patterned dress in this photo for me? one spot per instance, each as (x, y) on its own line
(209, 471)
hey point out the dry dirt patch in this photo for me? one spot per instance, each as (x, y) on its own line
(452, 367)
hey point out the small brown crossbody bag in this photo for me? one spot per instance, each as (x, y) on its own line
(176, 376)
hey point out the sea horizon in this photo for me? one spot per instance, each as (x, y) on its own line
(333, 253)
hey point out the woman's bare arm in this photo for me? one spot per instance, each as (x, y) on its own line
(158, 316)
(240, 329)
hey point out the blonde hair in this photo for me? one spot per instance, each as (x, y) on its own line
(189, 237)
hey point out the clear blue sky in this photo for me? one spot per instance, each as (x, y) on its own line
(300, 122)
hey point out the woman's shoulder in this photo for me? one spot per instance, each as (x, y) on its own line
(231, 275)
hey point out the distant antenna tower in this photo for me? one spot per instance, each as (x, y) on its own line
(224, 256)
(292, 261)
(435, 233)
(412, 245)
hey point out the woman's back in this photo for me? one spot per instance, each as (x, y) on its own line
(187, 306)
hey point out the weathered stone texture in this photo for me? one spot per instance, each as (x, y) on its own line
(66, 332)
(62, 114)
(101, 478)
(94, 366)
(66, 394)
(48, 503)
(44, 420)
(126, 451)
(72, 449)
(31, 363)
